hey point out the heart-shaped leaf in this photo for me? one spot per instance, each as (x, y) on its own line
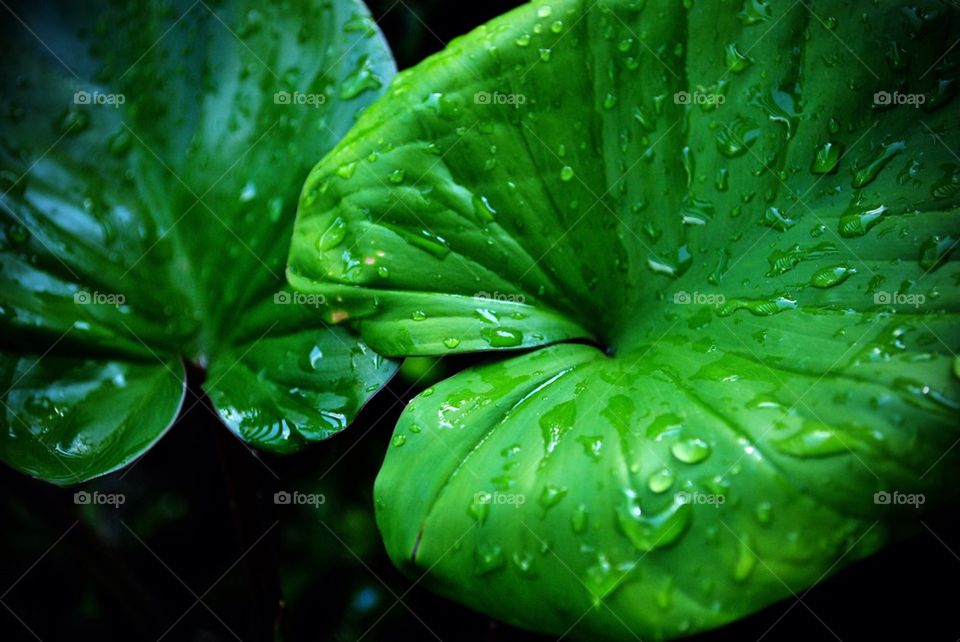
(751, 207)
(151, 158)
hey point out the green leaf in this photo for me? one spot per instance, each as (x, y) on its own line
(748, 251)
(151, 159)
(67, 418)
(303, 400)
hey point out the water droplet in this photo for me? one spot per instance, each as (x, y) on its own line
(248, 193)
(487, 559)
(690, 451)
(363, 78)
(502, 337)
(782, 261)
(864, 173)
(935, 251)
(425, 240)
(813, 439)
(418, 315)
(316, 356)
(550, 496)
(736, 60)
(689, 164)
(479, 508)
(566, 174)
(723, 179)
(347, 170)
(758, 307)
(948, 184)
(592, 445)
(333, 235)
(600, 579)
(831, 276)
(275, 209)
(484, 210)
(683, 263)
(651, 531)
(580, 519)
(524, 563)
(754, 12)
(746, 560)
(736, 139)
(451, 342)
(777, 219)
(941, 94)
(780, 105)
(661, 480)
(555, 423)
(826, 158)
(856, 222)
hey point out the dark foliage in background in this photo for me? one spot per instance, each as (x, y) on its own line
(200, 551)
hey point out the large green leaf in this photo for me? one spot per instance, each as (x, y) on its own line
(151, 156)
(762, 287)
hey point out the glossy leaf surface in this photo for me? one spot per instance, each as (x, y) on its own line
(749, 209)
(151, 157)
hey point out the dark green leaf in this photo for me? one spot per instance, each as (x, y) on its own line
(151, 157)
(67, 419)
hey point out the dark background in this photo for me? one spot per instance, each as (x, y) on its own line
(200, 500)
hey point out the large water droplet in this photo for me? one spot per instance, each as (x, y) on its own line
(935, 251)
(661, 480)
(737, 138)
(690, 451)
(502, 337)
(333, 235)
(826, 158)
(865, 172)
(656, 530)
(831, 276)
